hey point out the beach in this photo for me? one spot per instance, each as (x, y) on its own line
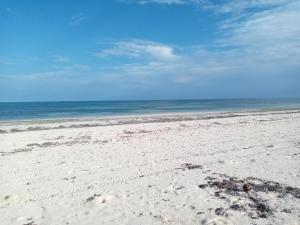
(198, 168)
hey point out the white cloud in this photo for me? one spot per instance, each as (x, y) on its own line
(265, 28)
(268, 35)
(139, 48)
(258, 36)
(262, 41)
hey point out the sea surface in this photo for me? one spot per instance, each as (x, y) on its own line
(73, 109)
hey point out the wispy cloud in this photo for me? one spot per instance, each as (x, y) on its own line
(168, 2)
(77, 67)
(78, 18)
(13, 61)
(189, 67)
(61, 59)
(240, 6)
(224, 6)
(136, 48)
(58, 73)
(6, 61)
(270, 34)
(258, 37)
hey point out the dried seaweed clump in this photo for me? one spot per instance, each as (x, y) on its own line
(249, 193)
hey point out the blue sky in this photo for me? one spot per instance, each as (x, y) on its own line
(148, 49)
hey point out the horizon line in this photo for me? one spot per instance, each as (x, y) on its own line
(140, 100)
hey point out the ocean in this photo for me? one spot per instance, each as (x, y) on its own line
(73, 109)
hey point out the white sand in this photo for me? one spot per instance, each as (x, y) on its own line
(82, 172)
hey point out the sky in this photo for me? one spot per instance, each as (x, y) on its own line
(60, 50)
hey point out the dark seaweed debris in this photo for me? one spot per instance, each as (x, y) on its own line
(30, 147)
(221, 212)
(234, 186)
(190, 166)
(30, 223)
(250, 201)
(89, 199)
(18, 150)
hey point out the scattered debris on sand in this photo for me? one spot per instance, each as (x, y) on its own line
(249, 192)
(190, 166)
(100, 199)
(221, 212)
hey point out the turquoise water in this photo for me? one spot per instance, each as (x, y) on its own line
(44, 110)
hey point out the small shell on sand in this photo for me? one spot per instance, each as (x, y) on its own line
(103, 199)
(100, 199)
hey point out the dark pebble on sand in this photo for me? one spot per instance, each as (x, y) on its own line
(235, 207)
(247, 187)
(203, 186)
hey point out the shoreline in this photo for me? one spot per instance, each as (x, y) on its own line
(83, 122)
(71, 111)
(146, 115)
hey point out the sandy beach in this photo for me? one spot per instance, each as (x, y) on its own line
(209, 168)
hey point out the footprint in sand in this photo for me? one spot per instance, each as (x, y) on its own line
(215, 221)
